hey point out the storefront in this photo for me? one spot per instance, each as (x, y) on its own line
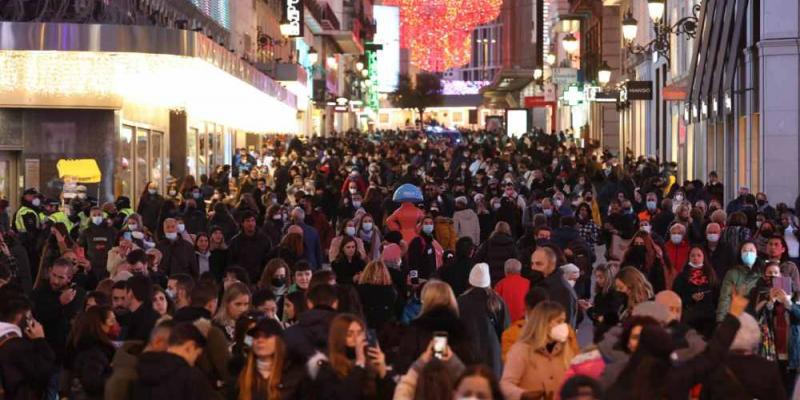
(149, 104)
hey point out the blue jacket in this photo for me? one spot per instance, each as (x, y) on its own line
(312, 249)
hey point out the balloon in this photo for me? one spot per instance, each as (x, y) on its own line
(407, 192)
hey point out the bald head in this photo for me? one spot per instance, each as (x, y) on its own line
(672, 301)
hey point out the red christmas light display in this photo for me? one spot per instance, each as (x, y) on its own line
(439, 32)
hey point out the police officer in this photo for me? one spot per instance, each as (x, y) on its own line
(98, 238)
(124, 211)
(28, 225)
(60, 216)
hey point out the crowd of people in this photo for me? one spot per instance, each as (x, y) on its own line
(395, 266)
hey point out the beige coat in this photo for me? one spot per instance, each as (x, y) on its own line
(532, 371)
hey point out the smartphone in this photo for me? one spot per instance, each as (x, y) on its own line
(414, 275)
(80, 253)
(784, 283)
(372, 338)
(439, 344)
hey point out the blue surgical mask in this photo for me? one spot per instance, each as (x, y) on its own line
(350, 231)
(749, 258)
(367, 226)
(428, 229)
(548, 212)
(651, 205)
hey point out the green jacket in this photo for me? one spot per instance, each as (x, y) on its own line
(743, 279)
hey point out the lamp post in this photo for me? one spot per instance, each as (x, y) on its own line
(570, 43)
(661, 43)
(604, 74)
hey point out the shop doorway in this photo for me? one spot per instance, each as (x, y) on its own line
(9, 178)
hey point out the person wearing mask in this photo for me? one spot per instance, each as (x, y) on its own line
(178, 254)
(545, 273)
(218, 250)
(274, 223)
(497, 249)
(718, 256)
(742, 278)
(587, 228)
(277, 281)
(312, 250)
(28, 361)
(179, 290)
(536, 364)
(27, 224)
(235, 302)
(90, 351)
(745, 375)
(698, 287)
(513, 288)
(605, 309)
(456, 271)
(266, 371)
(370, 235)
(375, 287)
(647, 257)
(98, 238)
(352, 368)
(485, 316)
(633, 285)
(56, 303)
(439, 313)
(202, 243)
(677, 251)
(651, 208)
(444, 229)
(150, 203)
(171, 374)
(249, 248)
(349, 231)
(425, 255)
(466, 221)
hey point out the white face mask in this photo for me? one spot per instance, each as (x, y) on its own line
(646, 228)
(560, 332)
(571, 283)
(137, 235)
(693, 265)
(133, 227)
(367, 226)
(676, 239)
(171, 235)
(36, 202)
(181, 228)
(350, 231)
(356, 204)
(97, 220)
(712, 237)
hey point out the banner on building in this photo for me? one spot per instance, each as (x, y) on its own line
(293, 18)
(639, 90)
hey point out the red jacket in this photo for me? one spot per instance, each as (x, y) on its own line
(513, 289)
(678, 255)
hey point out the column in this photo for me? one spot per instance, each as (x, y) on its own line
(780, 99)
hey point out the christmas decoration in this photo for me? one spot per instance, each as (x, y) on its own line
(439, 32)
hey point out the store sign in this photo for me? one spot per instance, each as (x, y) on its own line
(564, 76)
(639, 90)
(293, 11)
(606, 97)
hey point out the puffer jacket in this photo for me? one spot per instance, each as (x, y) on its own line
(740, 277)
(495, 251)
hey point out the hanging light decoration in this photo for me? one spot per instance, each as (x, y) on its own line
(439, 32)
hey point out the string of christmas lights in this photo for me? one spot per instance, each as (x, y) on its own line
(439, 32)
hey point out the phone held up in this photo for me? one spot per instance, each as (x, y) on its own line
(439, 344)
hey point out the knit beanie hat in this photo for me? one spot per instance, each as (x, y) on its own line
(479, 276)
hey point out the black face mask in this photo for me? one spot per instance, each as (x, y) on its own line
(350, 352)
(637, 254)
(278, 282)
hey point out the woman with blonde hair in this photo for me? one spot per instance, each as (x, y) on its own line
(439, 314)
(375, 284)
(536, 364)
(235, 302)
(634, 285)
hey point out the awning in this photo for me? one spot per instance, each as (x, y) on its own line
(701, 49)
(724, 49)
(83, 170)
(507, 82)
(739, 26)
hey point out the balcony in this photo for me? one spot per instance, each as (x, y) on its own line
(322, 17)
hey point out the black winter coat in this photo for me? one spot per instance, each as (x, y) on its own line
(54, 317)
(178, 257)
(456, 274)
(28, 366)
(89, 366)
(250, 253)
(149, 208)
(484, 326)
(310, 334)
(495, 251)
(378, 302)
(165, 375)
(561, 292)
(420, 334)
(329, 386)
(744, 377)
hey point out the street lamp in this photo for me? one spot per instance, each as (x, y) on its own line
(570, 43)
(550, 59)
(331, 62)
(364, 73)
(656, 9)
(538, 73)
(313, 56)
(630, 27)
(359, 66)
(604, 73)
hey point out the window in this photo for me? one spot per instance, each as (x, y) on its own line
(142, 158)
(123, 174)
(191, 151)
(156, 156)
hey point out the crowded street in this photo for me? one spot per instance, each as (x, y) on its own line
(399, 200)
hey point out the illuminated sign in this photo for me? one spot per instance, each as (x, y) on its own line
(372, 94)
(293, 13)
(218, 10)
(387, 35)
(463, 87)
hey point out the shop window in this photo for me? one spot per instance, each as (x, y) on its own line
(156, 156)
(142, 158)
(741, 146)
(191, 151)
(202, 153)
(123, 174)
